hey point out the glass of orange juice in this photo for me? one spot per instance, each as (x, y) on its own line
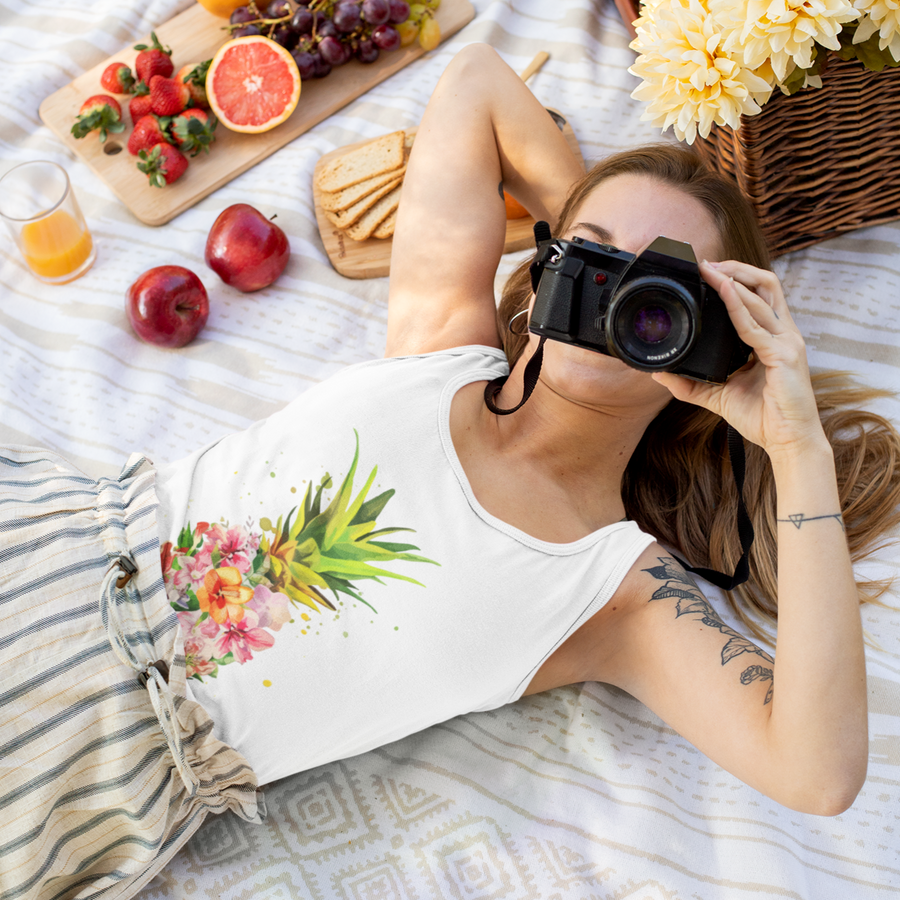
(39, 208)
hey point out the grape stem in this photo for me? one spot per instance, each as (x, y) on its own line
(316, 6)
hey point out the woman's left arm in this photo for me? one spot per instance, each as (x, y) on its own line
(817, 725)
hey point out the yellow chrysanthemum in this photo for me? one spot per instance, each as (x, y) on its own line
(881, 17)
(690, 81)
(784, 32)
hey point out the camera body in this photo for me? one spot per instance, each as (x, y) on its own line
(652, 311)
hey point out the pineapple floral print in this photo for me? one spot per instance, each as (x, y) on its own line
(234, 586)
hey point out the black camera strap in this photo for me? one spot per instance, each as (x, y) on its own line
(530, 378)
(745, 526)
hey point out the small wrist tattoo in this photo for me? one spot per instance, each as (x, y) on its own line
(798, 519)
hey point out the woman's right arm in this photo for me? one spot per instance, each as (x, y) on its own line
(482, 126)
(793, 727)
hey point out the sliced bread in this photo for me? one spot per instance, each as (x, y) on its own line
(338, 200)
(346, 217)
(372, 218)
(384, 154)
(386, 228)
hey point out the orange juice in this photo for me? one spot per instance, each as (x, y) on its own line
(55, 246)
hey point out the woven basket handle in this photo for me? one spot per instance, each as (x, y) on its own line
(629, 10)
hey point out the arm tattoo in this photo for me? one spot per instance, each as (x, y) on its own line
(797, 519)
(690, 601)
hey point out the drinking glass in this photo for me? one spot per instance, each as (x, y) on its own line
(38, 205)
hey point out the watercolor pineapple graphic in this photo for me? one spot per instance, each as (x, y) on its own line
(233, 586)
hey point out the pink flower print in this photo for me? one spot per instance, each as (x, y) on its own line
(241, 637)
(199, 647)
(272, 608)
(209, 627)
(175, 587)
(236, 547)
(196, 660)
(172, 578)
(192, 572)
(190, 575)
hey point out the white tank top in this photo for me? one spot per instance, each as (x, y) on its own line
(438, 607)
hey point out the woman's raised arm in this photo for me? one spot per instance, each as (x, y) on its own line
(794, 727)
(482, 126)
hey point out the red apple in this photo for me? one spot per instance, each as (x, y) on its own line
(245, 249)
(167, 305)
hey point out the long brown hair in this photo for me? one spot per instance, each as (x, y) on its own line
(678, 484)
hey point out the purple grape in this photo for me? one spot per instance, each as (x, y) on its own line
(322, 68)
(386, 37)
(306, 63)
(325, 27)
(399, 11)
(333, 51)
(346, 17)
(246, 30)
(286, 36)
(278, 9)
(366, 51)
(376, 12)
(242, 14)
(302, 21)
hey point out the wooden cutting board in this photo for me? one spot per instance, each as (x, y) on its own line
(372, 258)
(194, 36)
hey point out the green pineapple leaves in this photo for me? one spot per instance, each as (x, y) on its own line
(330, 549)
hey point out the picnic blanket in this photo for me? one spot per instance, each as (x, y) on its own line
(579, 793)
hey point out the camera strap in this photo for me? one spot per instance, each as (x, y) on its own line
(745, 526)
(530, 377)
(542, 237)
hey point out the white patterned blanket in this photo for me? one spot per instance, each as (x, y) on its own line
(580, 793)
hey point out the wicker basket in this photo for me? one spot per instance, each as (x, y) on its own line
(819, 163)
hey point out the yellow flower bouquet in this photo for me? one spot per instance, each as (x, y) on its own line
(706, 62)
(797, 100)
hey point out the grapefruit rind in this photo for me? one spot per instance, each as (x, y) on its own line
(239, 98)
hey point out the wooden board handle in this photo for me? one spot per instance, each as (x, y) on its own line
(532, 67)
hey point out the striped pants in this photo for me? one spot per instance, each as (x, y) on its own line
(106, 768)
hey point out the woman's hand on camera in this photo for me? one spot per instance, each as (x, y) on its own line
(770, 400)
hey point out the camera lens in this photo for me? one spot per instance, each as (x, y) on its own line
(652, 323)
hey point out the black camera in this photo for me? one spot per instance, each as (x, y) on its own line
(652, 311)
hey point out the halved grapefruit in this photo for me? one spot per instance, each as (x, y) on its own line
(252, 84)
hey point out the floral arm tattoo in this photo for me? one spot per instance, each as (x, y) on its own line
(690, 601)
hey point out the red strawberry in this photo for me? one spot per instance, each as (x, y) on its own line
(148, 132)
(193, 130)
(153, 60)
(117, 78)
(168, 96)
(139, 106)
(194, 76)
(162, 165)
(98, 113)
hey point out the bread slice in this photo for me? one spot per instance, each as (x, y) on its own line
(384, 154)
(340, 200)
(346, 217)
(386, 228)
(371, 219)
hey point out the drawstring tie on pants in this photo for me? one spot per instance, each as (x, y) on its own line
(149, 673)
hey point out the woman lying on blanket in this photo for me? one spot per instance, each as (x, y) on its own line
(388, 552)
